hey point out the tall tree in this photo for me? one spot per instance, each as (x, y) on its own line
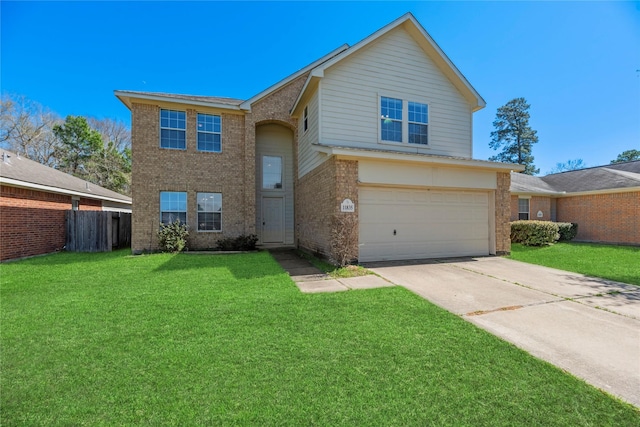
(627, 156)
(569, 165)
(112, 131)
(514, 135)
(26, 128)
(78, 145)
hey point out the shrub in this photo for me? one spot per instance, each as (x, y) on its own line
(344, 239)
(172, 237)
(567, 230)
(534, 233)
(241, 243)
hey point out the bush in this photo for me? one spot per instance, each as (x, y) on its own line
(241, 243)
(567, 231)
(534, 233)
(172, 237)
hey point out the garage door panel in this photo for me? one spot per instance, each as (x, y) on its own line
(428, 223)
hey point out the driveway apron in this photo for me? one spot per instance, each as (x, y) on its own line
(587, 326)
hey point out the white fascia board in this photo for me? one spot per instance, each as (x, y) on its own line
(313, 77)
(354, 153)
(538, 193)
(246, 105)
(126, 100)
(22, 184)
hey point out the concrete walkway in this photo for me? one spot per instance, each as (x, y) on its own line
(586, 326)
(310, 279)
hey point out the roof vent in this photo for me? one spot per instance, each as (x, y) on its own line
(5, 157)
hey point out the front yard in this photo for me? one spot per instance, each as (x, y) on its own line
(110, 339)
(619, 263)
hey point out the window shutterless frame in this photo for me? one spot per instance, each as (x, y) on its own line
(173, 205)
(305, 119)
(209, 212)
(403, 121)
(523, 209)
(173, 129)
(272, 173)
(209, 132)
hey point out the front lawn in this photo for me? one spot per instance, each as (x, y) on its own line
(110, 339)
(619, 263)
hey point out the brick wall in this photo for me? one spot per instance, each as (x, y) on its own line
(536, 203)
(155, 169)
(503, 209)
(33, 222)
(320, 193)
(611, 218)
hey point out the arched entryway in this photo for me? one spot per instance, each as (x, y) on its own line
(274, 184)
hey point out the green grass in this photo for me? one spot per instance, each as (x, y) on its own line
(111, 339)
(619, 263)
(333, 270)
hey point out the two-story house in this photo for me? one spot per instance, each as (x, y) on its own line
(381, 130)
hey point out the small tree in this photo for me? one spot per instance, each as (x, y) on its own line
(627, 156)
(569, 165)
(514, 135)
(344, 238)
(172, 237)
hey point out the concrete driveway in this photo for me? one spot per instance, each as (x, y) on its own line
(586, 326)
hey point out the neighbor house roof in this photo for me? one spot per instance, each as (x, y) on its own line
(615, 177)
(18, 171)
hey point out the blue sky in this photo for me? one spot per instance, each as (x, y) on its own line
(576, 63)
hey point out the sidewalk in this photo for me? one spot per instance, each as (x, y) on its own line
(310, 279)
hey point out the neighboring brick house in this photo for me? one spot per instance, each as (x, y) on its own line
(604, 201)
(33, 202)
(381, 131)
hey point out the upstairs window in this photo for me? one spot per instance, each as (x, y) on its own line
(173, 125)
(418, 119)
(173, 205)
(404, 121)
(523, 208)
(209, 133)
(391, 119)
(305, 119)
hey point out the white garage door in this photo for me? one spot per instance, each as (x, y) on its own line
(400, 224)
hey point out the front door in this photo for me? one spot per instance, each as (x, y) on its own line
(272, 219)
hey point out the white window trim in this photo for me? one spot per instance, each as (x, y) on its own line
(186, 211)
(160, 129)
(528, 199)
(405, 120)
(214, 133)
(197, 212)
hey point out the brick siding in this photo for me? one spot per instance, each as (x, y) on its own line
(320, 193)
(536, 203)
(608, 218)
(502, 213)
(33, 222)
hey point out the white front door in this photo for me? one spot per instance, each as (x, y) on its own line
(273, 220)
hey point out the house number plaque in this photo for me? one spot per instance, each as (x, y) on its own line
(347, 206)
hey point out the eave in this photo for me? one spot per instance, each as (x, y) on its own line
(126, 98)
(32, 186)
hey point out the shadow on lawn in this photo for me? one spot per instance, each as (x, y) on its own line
(241, 266)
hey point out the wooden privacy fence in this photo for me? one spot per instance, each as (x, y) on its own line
(97, 231)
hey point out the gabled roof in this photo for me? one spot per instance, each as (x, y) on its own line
(19, 171)
(613, 177)
(429, 46)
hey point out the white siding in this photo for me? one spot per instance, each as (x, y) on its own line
(275, 140)
(394, 66)
(308, 158)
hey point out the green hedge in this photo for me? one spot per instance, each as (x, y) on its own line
(540, 233)
(534, 233)
(567, 230)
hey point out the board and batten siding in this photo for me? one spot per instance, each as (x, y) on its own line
(276, 140)
(393, 66)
